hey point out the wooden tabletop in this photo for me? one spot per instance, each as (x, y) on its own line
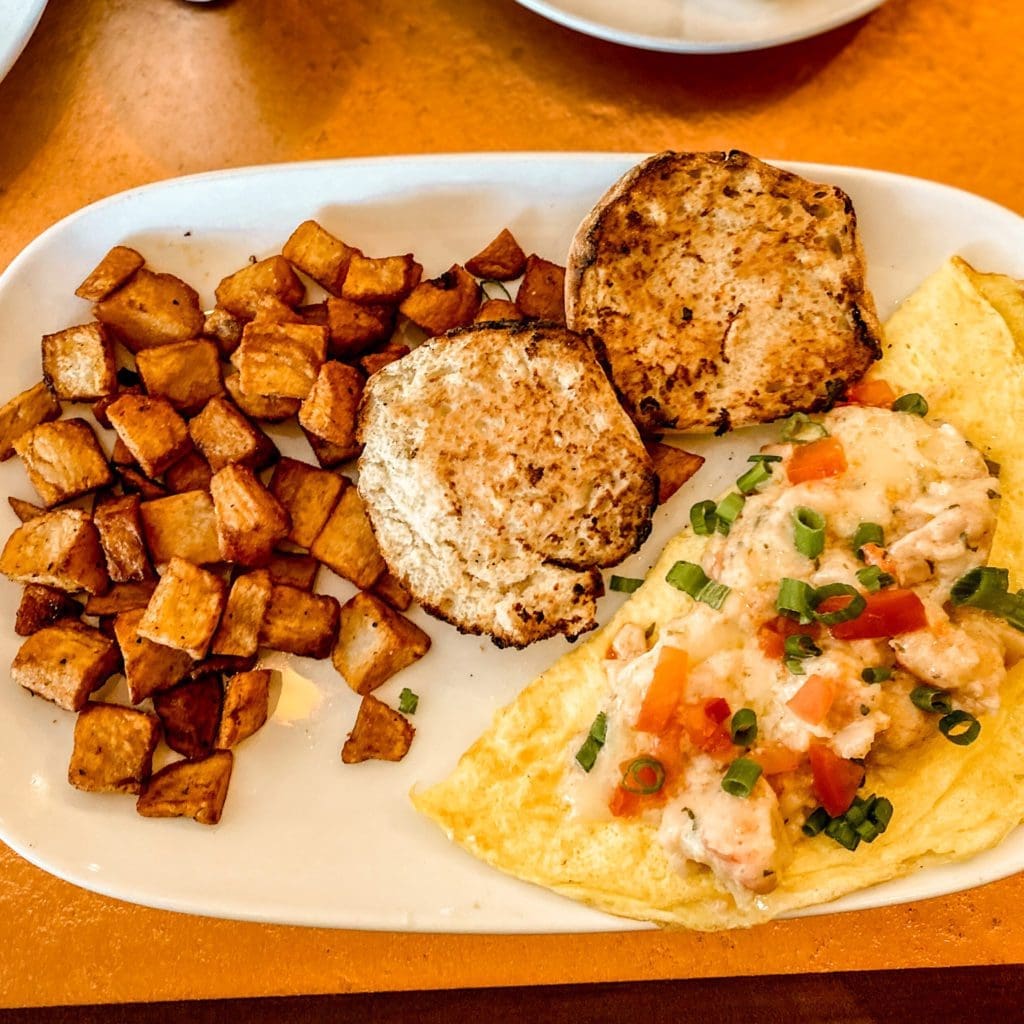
(110, 94)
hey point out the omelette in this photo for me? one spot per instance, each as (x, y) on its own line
(819, 686)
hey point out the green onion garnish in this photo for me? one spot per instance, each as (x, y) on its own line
(691, 579)
(703, 518)
(801, 646)
(800, 429)
(876, 674)
(809, 531)
(988, 588)
(843, 833)
(864, 821)
(867, 533)
(624, 584)
(408, 702)
(644, 775)
(872, 579)
(728, 510)
(851, 610)
(960, 727)
(741, 777)
(816, 822)
(764, 458)
(912, 403)
(758, 473)
(743, 727)
(794, 600)
(931, 699)
(587, 754)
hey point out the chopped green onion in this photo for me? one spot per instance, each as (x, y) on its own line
(587, 754)
(872, 579)
(758, 473)
(867, 533)
(764, 458)
(801, 646)
(816, 822)
(800, 429)
(988, 588)
(843, 833)
(691, 579)
(876, 674)
(881, 812)
(864, 821)
(931, 699)
(408, 702)
(703, 518)
(796, 666)
(960, 727)
(794, 600)
(743, 727)
(728, 510)
(809, 531)
(912, 403)
(624, 584)
(851, 610)
(644, 775)
(741, 777)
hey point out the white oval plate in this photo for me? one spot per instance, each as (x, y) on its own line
(305, 839)
(18, 20)
(702, 26)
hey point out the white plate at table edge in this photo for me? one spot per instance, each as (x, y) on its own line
(588, 18)
(413, 879)
(23, 17)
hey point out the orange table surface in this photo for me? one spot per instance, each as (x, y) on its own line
(110, 94)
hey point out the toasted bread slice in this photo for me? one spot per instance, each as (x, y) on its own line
(726, 291)
(499, 471)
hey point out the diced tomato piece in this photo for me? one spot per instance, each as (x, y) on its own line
(816, 461)
(624, 804)
(886, 613)
(813, 701)
(717, 709)
(771, 637)
(776, 760)
(702, 730)
(836, 780)
(878, 556)
(878, 393)
(665, 692)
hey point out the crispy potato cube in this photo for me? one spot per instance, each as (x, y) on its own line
(63, 459)
(346, 543)
(133, 481)
(328, 454)
(65, 663)
(23, 412)
(497, 311)
(190, 713)
(154, 433)
(120, 532)
(185, 608)
(246, 704)
(224, 329)
(121, 597)
(389, 353)
(191, 473)
(260, 407)
(315, 313)
(380, 733)
(241, 292)
(250, 520)
(353, 328)
(215, 664)
(186, 373)
(280, 359)
(388, 279)
(25, 510)
(148, 667)
(188, 789)
(293, 570)
(61, 549)
(444, 302)
(315, 251)
(308, 495)
(393, 592)
(100, 407)
(225, 437)
(122, 454)
(500, 260)
(298, 622)
(239, 631)
(42, 606)
(183, 526)
(673, 466)
(113, 751)
(79, 363)
(375, 642)
(151, 309)
(542, 290)
(110, 273)
(270, 309)
(329, 411)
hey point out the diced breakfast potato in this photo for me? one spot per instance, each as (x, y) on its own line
(280, 359)
(65, 663)
(497, 310)
(186, 373)
(63, 459)
(25, 510)
(388, 587)
(185, 608)
(500, 260)
(120, 532)
(329, 411)
(308, 495)
(190, 713)
(270, 309)
(293, 570)
(673, 466)
(154, 433)
(239, 630)
(110, 273)
(79, 363)
(38, 404)
(246, 704)
(354, 327)
(215, 664)
(314, 313)
(224, 329)
(122, 454)
(42, 606)
(151, 309)
(389, 353)
(60, 549)
(444, 302)
(298, 622)
(224, 436)
(542, 290)
(241, 292)
(189, 789)
(346, 543)
(134, 481)
(375, 642)
(260, 407)
(250, 520)
(379, 733)
(183, 526)
(190, 473)
(316, 252)
(148, 667)
(374, 281)
(101, 405)
(121, 597)
(113, 749)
